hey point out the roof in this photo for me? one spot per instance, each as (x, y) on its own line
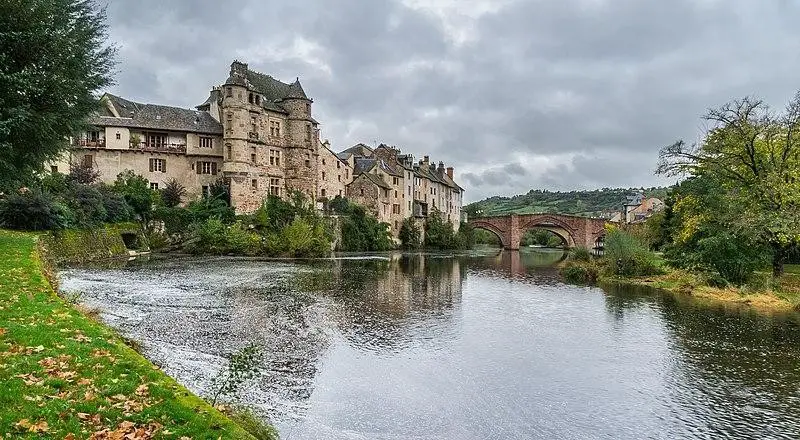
(358, 150)
(375, 179)
(212, 98)
(363, 165)
(155, 117)
(273, 90)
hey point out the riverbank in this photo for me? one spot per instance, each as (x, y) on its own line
(68, 376)
(765, 300)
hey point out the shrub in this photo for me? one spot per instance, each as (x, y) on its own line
(33, 210)
(581, 272)
(82, 174)
(626, 256)
(303, 239)
(410, 234)
(210, 207)
(176, 220)
(580, 253)
(438, 233)
(173, 193)
(87, 203)
(208, 237)
(734, 258)
(137, 193)
(117, 209)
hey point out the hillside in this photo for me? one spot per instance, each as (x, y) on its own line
(586, 203)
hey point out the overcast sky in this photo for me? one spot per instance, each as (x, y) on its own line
(515, 94)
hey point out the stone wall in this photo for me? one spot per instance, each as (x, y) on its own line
(74, 246)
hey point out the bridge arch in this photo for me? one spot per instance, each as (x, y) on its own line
(552, 224)
(488, 226)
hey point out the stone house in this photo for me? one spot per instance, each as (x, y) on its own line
(258, 135)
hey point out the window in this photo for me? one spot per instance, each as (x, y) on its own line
(340, 177)
(322, 192)
(275, 157)
(396, 208)
(94, 136)
(254, 184)
(206, 142)
(53, 169)
(409, 205)
(229, 149)
(258, 99)
(229, 92)
(275, 187)
(395, 193)
(230, 117)
(346, 174)
(338, 164)
(206, 168)
(394, 181)
(206, 191)
(395, 224)
(386, 193)
(154, 185)
(119, 136)
(158, 165)
(323, 175)
(274, 128)
(88, 161)
(323, 161)
(156, 140)
(362, 191)
(253, 156)
(308, 160)
(250, 98)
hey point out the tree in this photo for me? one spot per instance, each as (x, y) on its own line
(753, 154)
(53, 59)
(137, 193)
(410, 234)
(173, 193)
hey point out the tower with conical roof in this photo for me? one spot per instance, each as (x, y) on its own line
(271, 141)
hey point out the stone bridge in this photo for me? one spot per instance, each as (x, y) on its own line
(573, 230)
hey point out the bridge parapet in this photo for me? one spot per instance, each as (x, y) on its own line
(574, 230)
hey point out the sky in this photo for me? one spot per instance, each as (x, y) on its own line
(514, 94)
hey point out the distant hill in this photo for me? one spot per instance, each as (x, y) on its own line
(585, 203)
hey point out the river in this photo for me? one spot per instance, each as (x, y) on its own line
(489, 345)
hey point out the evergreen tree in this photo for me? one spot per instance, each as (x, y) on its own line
(53, 60)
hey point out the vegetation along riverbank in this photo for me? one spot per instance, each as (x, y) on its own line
(65, 375)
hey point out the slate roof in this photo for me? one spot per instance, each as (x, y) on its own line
(376, 180)
(156, 117)
(358, 150)
(363, 165)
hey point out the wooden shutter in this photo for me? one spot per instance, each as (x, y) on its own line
(151, 165)
(214, 168)
(164, 166)
(198, 167)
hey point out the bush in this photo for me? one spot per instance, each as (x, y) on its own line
(580, 272)
(173, 193)
(33, 210)
(626, 256)
(210, 207)
(87, 203)
(362, 232)
(580, 253)
(117, 209)
(438, 233)
(410, 234)
(137, 193)
(734, 258)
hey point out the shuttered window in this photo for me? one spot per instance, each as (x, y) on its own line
(206, 167)
(158, 165)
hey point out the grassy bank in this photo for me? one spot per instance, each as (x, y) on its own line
(781, 298)
(66, 376)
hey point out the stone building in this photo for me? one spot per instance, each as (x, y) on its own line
(258, 136)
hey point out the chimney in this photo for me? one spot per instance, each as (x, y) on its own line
(441, 166)
(450, 172)
(238, 68)
(426, 160)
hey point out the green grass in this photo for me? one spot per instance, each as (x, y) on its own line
(65, 376)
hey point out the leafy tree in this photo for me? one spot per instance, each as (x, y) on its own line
(753, 154)
(84, 175)
(410, 234)
(33, 210)
(173, 193)
(53, 59)
(87, 203)
(137, 193)
(439, 234)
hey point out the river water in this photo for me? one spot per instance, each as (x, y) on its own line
(483, 346)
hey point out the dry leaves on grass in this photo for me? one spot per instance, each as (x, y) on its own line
(128, 431)
(26, 425)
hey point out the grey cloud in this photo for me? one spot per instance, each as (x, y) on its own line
(605, 82)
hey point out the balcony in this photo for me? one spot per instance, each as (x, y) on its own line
(88, 143)
(158, 147)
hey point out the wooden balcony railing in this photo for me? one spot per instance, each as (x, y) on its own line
(159, 147)
(88, 143)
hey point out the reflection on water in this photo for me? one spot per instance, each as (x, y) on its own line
(485, 345)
